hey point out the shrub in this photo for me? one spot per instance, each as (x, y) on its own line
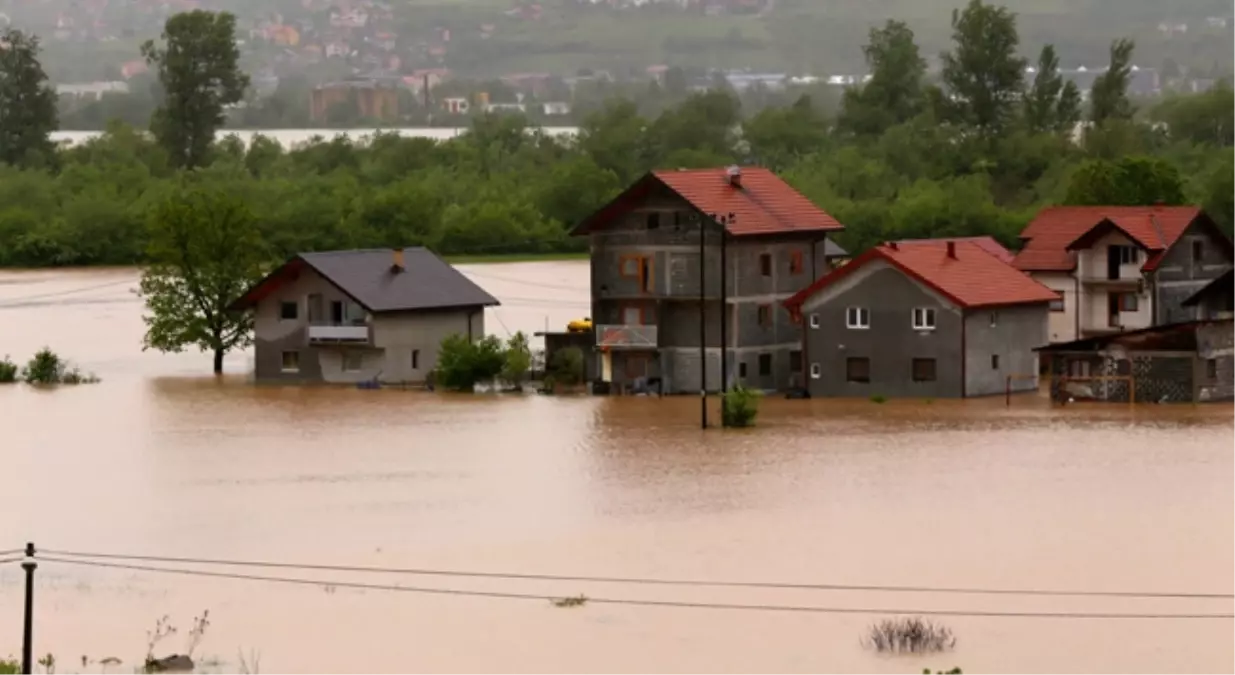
(566, 367)
(48, 368)
(9, 667)
(909, 635)
(879, 398)
(45, 368)
(518, 360)
(462, 363)
(740, 406)
(8, 370)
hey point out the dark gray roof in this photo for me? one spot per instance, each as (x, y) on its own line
(427, 281)
(833, 250)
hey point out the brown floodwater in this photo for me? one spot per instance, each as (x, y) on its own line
(162, 458)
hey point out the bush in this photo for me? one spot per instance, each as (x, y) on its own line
(8, 370)
(739, 407)
(518, 360)
(48, 368)
(45, 368)
(909, 636)
(462, 363)
(566, 367)
(879, 398)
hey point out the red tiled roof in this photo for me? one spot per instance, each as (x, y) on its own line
(762, 204)
(1156, 228)
(988, 244)
(974, 278)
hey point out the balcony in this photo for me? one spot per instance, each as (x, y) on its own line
(339, 334)
(627, 337)
(1127, 283)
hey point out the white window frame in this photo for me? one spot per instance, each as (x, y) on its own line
(814, 321)
(854, 318)
(925, 313)
(815, 371)
(283, 361)
(1059, 304)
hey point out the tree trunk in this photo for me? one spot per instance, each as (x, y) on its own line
(218, 362)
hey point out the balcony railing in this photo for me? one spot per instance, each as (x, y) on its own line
(1104, 280)
(627, 337)
(339, 334)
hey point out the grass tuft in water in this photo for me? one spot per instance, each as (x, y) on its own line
(879, 398)
(909, 635)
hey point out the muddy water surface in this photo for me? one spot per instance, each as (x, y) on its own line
(161, 458)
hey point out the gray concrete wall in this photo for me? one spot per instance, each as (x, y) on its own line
(401, 334)
(891, 343)
(1178, 277)
(1011, 333)
(1216, 343)
(273, 336)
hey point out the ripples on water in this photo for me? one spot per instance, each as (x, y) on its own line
(161, 459)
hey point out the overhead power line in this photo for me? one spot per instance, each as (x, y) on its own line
(635, 580)
(632, 602)
(5, 561)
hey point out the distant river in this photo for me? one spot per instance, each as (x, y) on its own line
(290, 138)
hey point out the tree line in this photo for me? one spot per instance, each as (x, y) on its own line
(974, 149)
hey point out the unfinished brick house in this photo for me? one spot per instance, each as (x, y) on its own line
(651, 318)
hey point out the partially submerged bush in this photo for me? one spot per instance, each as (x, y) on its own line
(462, 363)
(8, 370)
(909, 635)
(518, 360)
(566, 367)
(48, 368)
(740, 406)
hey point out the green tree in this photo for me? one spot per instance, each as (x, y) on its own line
(199, 68)
(205, 251)
(982, 73)
(28, 111)
(777, 137)
(462, 364)
(1051, 104)
(1109, 94)
(1207, 118)
(893, 95)
(1132, 181)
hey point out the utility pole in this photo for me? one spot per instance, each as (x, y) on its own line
(703, 324)
(724, 222)
(27, 636)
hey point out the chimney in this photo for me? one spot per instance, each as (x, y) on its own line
(952, 249)
(396, 265)
(891, 245)
(735, 175)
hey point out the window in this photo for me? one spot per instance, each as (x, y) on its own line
(677, 220)
(1198, 252)
(353, 361)
(291, 362)
(994, 319)
(795, 361)
(742, 370)
(814, 320)
(1211, 369)
(994, 362)
(1057, 305)
(858, 317)
(815, 371)
(415, 359)
(289, 310)
(765, 264)
(924, 370)
(653, 221)
(858, 369)
(628, 266)
(765, 315)
(765, 365)
(1129, 255)
(924, 318)
(1127, 302)
(795, 262)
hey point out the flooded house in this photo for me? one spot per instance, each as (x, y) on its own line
(356, 316)
(1121, 268)
(925, 319)
(683, 262)
(1189, 362)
